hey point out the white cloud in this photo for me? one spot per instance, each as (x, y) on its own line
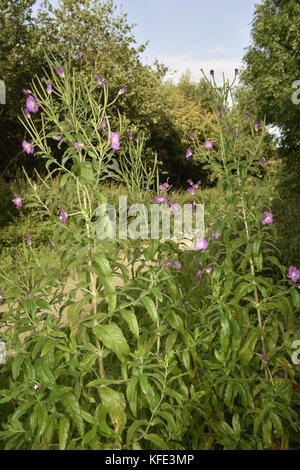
(181, 63)
(218, 51)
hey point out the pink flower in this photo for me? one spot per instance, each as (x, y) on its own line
(208, 144)
(114, 141)
(201, 243)
(17, 201)
(32, 105)
(27, 147)
(79, 145)
(268, 219)
(188, 153)
(293, 274)
(60, 71)
(63, 216)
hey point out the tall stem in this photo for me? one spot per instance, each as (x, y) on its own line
(259, 315)
(93, 278)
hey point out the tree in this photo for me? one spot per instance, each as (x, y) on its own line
(20, 59)
(273, 65)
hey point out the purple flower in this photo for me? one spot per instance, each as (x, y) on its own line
(164, 291)
(265, 359)
(174, 206)
(63, 216)
(164, 186)
(190, 181)
(28, 239)
(130, 135)
(32, 105)
(248, 116)
(161, 199)
(52, 245)
(192, 137)
(168, 264)
(220, 111)
(199, 273)
(60, 71)
(146, 187)
(26, 92)
(208, 269)
(27, 113)
(17, 201)
(188, 153)
(100, 81)
(103, 124)
(275, 159)
(191, 190)
(27, 147)
(217, 235)
(175, 191)
(236, 236)
(268, 219)
(234, 133)
(236, 71)
(185, 301)
(177, 265)
(256, 126)
(114, 142)
(212, 72)
(57, 137)
(79, 145)
(208, 144)
(293, 274)
(197, 184)
(263, 160)
(123, 90)
(49, 88)
(37, 387)
(201, 243)
(282, 375)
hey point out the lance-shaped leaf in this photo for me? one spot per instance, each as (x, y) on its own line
(113, 338)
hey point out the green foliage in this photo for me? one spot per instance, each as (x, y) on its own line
(135, 355)
(272, 65)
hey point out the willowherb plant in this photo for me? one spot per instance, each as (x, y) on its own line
(183, 350)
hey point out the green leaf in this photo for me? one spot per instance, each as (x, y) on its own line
(90, 436)
(225, 332)
(42, 419)
(133, 428)
(131, 394)
(115, 403)
(157, 441)
(73, 408)
(147, 391)
(22, 409)
(247, 351)
(131, 320)
(63, 431)
(103, 264)
(16, 365)
(48, 346)
(186, 359)
(74, 310)
(113, 338)
(170, 341)
(151, 308)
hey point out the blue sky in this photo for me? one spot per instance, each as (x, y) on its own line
(192, 34)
